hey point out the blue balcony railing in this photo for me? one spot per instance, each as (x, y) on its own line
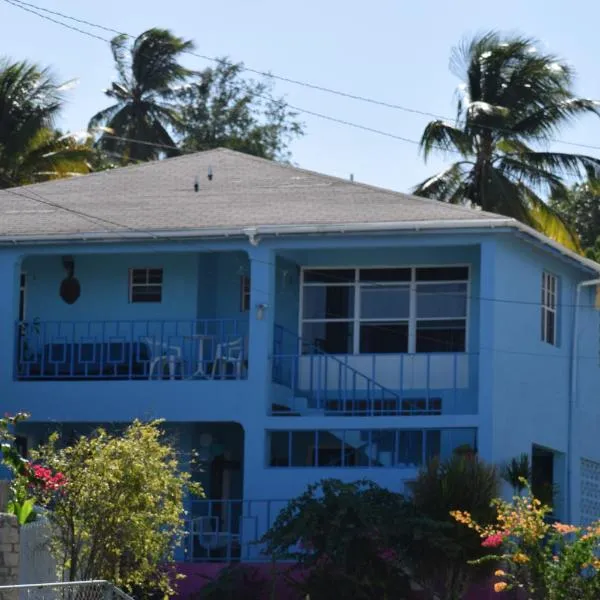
(229, 530)
(370, 384)
(144, 349)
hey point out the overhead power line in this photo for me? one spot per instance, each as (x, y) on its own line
(23, 5)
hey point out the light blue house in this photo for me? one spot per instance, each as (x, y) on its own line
(291, 326)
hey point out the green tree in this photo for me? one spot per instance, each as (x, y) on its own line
(119, 513)
(31, 150)
(149, 74)
(439, 555)
(347, 538)
(512, 101)
(220, 108)
(580, 207)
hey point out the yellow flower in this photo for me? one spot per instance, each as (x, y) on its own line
(499, 573)
(500, 586)
(521, 558)
(565, 529)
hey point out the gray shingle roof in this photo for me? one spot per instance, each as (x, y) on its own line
(245, 192)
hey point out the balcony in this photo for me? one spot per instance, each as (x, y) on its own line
(229, 530)
(310, 381)
(198, 349)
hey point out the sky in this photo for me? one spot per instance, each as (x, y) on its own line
(391, 50)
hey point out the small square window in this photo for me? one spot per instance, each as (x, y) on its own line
(145, 285)
(244, 293)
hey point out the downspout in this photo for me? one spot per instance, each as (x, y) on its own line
(573, 393)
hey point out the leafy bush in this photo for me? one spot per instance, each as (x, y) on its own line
(118, 514)
(346, 540)
(547, 561)
(235, 582)
(440, 550)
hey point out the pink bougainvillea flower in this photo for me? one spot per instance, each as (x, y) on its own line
(493, 541)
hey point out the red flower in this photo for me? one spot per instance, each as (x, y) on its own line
(493, 541)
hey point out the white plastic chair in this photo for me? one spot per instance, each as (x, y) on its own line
(205, 530)
(229, 353)
(161, 353)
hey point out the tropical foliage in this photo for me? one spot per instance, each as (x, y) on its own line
(580, 207)
(31, 150)
(343, 539)
(219, 108)
(148, 74)
(439, 556)
(512, 101)
(546, 561)
(118, 511)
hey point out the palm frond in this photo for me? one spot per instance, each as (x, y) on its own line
(548, 120)
(444, 185)
(571, 165)
(441, 136)
(531, 175)
(550, 222)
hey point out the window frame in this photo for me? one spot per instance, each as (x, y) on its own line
(22, 296)
(245, 287)
(312, 456)
(146, 284)
(412, 285)
(549, 305)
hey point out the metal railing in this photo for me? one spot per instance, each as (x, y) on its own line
(72, 590)
(369, 384)
(229, 530)
(135, 349)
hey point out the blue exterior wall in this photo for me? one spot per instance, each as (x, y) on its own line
(523, 383)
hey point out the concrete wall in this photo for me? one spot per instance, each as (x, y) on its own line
(9, 554)
(522, 386)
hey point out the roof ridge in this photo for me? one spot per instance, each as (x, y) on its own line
(368, 186)
(105, 172)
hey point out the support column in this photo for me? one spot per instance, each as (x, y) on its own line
(260, 350)
(485, 399)
(10, 270)
(262, 318)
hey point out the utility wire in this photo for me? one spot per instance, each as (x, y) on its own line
(21, 4)
(24, 191)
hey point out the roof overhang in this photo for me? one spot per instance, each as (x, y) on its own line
(458, 225)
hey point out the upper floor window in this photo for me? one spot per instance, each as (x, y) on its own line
(385, 310)
(244, 293)
(549, 304)
(145, 285)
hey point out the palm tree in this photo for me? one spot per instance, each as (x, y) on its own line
(511, 103)
(148, 74)
(31, 149)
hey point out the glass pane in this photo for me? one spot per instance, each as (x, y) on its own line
(329, 450)
(441, 336)
(384, 448)
(329, 336)
(356, 448)
(384, 275)
(441, 300)
(328, 302)
(383, 338)
(149, 293)
(279, 449)
(410, 448)
(303, 448)
(155, 275)
(443, 274)
(550, 327)
(329, 275)
(139, 276)
(384, 302)
(433, 445)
